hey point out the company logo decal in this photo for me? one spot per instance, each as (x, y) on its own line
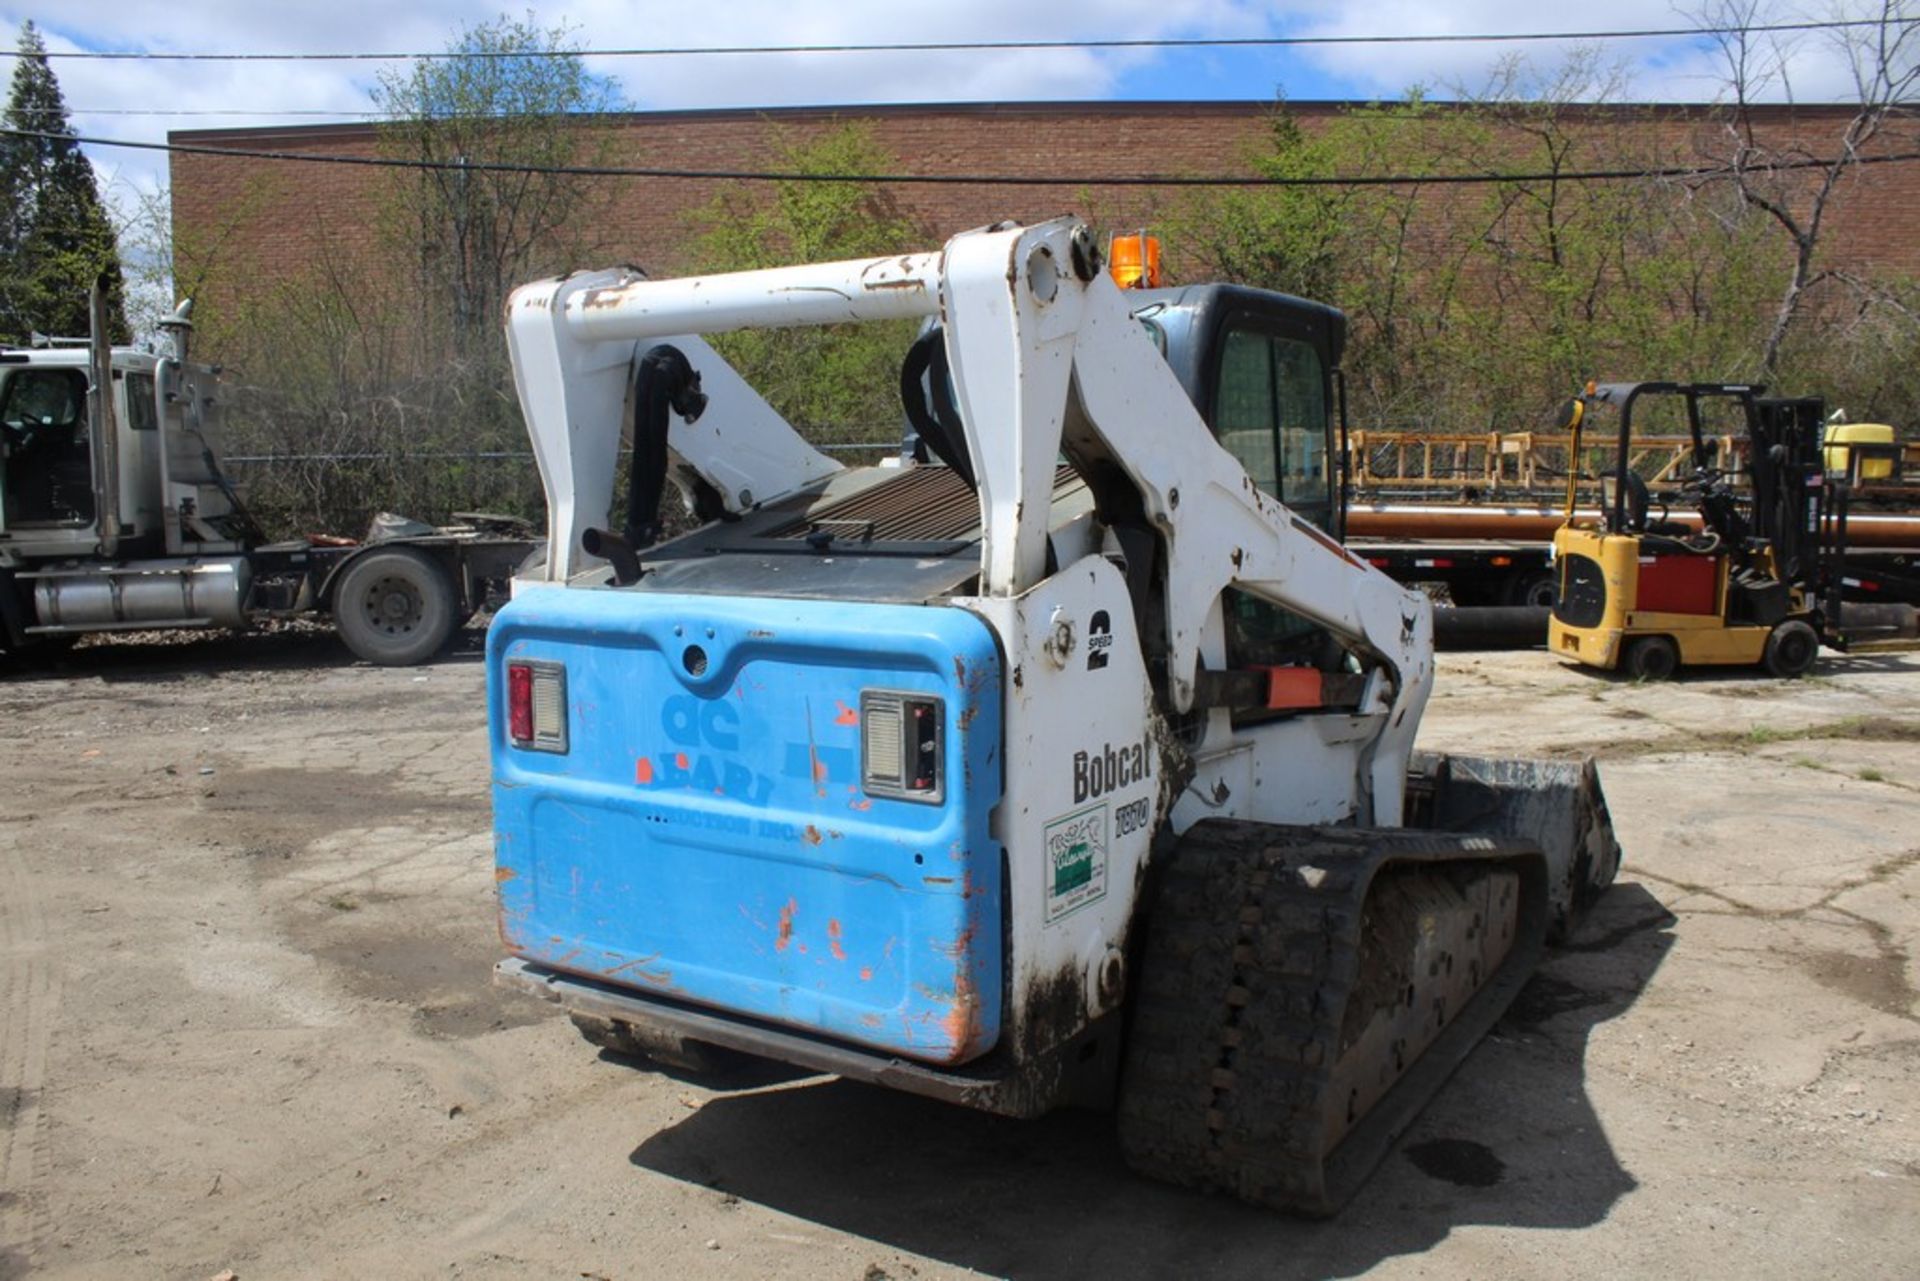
(1076, 861)
(1110, 769)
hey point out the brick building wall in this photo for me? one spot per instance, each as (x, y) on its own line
(250, 223)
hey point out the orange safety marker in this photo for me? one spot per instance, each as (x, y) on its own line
(1294, 687)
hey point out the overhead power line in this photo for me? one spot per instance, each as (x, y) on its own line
(1682, 173)
(971, 46)
(249, 113)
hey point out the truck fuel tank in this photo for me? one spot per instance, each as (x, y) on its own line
(184, 592)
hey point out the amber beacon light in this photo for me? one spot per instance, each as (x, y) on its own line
(1135, 261)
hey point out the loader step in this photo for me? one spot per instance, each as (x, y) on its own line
(1305, 991)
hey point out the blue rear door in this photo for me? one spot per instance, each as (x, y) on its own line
(706, 825)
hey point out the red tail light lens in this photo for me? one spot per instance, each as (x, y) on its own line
(537, 705)
(520, 702)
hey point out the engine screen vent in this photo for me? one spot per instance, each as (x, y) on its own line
(920, 504)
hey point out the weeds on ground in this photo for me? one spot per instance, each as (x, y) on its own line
(1871, 728)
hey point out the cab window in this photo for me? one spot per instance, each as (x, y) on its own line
(140, 408)
(44, 402)
(1270, 413)
(1302, 397)
(1243, 413)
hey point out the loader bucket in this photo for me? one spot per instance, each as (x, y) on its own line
(1556, 804)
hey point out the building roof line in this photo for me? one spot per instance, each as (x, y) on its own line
(1145, 109)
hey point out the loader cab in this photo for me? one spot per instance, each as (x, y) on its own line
(1262, 369)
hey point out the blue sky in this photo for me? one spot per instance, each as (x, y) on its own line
(172, 95)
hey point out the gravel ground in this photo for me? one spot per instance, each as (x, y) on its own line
(246, 1023)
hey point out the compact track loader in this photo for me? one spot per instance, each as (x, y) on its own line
(1066, 759)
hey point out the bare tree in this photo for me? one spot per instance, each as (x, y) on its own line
(493, 127)
(1789, 174)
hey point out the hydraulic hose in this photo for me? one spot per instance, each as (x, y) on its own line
(663, 381)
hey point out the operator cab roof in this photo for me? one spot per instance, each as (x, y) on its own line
(71, 357)
(1182, 313)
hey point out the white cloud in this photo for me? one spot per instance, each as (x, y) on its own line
(1668, 69)
(100, 90)
(249, 93)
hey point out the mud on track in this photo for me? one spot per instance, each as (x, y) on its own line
(245, 1022)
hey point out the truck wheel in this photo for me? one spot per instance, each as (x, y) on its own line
(1791, 649)
(1535, 589)
(395, 607)
(1651, 658)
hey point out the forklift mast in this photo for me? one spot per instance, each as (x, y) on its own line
(1788, 481)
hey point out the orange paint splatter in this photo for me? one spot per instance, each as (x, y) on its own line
(659, 978)
(959, 948)
(811, 835)
(504, 874)
(847, 715)
(866, 974)
(680, 760)
(833, 941)
(643, 771)
(862, 804)
(962, 1021)
(819, 767)
(783, 935)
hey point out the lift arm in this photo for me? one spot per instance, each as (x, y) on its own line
(1045, 357)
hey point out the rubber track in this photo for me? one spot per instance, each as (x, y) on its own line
(1251, 953)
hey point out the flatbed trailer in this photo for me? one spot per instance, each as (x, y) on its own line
(1519, 571)
(1476, 572)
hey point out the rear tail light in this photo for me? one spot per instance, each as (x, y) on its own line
(901, 752)
(537, 706)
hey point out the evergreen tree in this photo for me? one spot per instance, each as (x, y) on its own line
(55, 237)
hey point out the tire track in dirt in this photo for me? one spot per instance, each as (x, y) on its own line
(28, 997)
(257, 1223)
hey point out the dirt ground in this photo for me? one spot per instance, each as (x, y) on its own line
(246, 1020)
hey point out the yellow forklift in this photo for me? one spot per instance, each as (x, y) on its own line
(1736, 579)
